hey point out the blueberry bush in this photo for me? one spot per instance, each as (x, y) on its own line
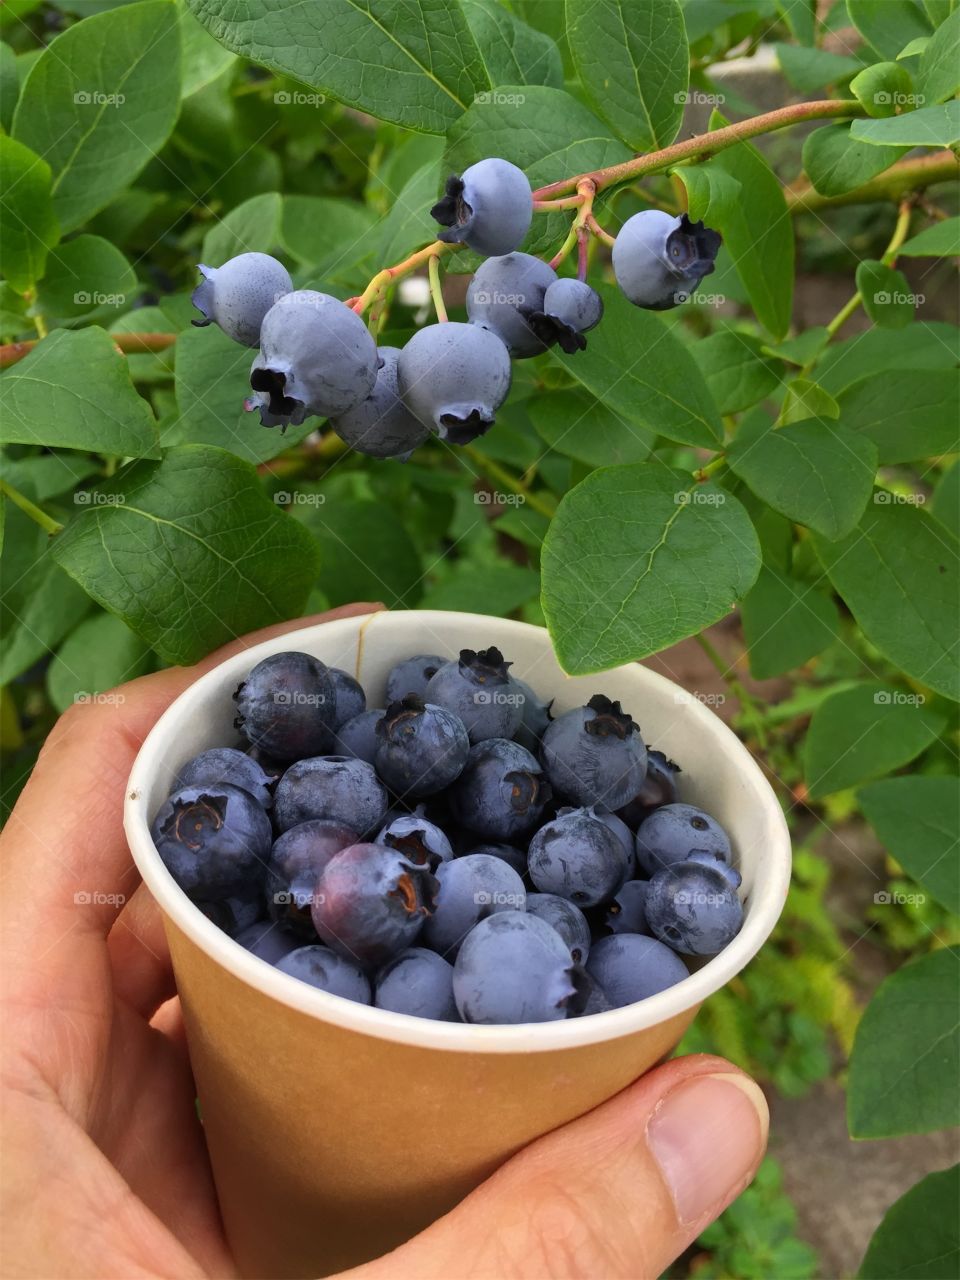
(724, 445)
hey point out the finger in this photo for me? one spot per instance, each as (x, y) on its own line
(139, 956)
(616, 1195)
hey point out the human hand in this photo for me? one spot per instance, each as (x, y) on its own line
(105, 1171)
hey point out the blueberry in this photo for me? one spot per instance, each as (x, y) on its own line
(412, 676)
(417, 982)
(421, 747)
(214, 840)
(381, 426)
(627, 912)
(297, 860)
(337, 787)
(477, 688)
(371, 903)
(513, 967)
(577, 857)
(293, 414)
(514, 858)
(570, 309)
(504, 296)
(488, 207)
(236, 914)
(620, 830)
(629, 968)
(287, 706)
(596, 1001)
(349, 700)
(658, 788)
(694, 908)
(239, 294)
(501, 792)
(719, 863)
(535, 715)
(421, 841)
(226, 764)
(659, 259)
(267, 942)
(318, 357)
(323, 968)
(454, 377)
(357, 736)
(568, 920)
(673, 831)
(594, 754)
(471, 888)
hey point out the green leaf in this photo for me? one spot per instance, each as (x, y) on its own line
(883, 89)
(803, 349)
(927, 127)
(365, 552)
(886, 295)
(28, 225)
(711, 193)
(639, 557)
(85, 273)
(914, 47)
(818, 473)
(9, 85)
(862, 733)
(942, 240)
(512, 51)
(498, 589)
(946, 497)
(190, 552)
(805, 399)
(809, 69)
(408, 225)
(939, 73)
(643, 374)
(99, 653)
(252, 227)
(737, 374)
(74, 390)
(785, 623)
(836, 163)
(888, 24)
(416, 64)
(897, 572)
(907, 1083)
(100, 101)
(907, 413)
(581, 427)
(633, 63)
(203, 59)
(919, 1237)
(316, 228)
(758, 234)
(920, 346)
(800, 18)
(915, 819)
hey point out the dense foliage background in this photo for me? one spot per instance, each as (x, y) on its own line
(783, 445)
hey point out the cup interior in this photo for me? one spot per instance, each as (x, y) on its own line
(718, 774)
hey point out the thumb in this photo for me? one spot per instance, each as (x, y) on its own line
(616, 1195)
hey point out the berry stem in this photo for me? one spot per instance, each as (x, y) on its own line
(594, 227)
(389, 274)
(501, 476)
(128, 343)
(906, 175)
(46, 523)
(436, 289)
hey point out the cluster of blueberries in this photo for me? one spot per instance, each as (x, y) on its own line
(459, 854)
(316, 356)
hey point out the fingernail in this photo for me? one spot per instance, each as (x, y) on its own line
(707, 1135)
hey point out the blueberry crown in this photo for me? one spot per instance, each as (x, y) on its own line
(692, 247)
(550, 329)
(451, 209)
(484, 666)
(609, 719)
(408, 707)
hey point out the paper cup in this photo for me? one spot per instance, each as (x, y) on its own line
(337, 1131)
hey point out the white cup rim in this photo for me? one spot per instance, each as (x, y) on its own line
(767, 897)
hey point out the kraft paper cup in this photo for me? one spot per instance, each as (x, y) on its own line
(337, 1131)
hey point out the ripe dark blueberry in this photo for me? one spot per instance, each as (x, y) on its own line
(349, 700)
(412, 676)
(627, 912)
(535, 715)
(337, 787)
(673, 832)
(239, 294)
(489, 207)
(417, 982)
(287, 706)
(323, 968)
(577, 857)
(454, 377)
(512, 968)
(214, 840)
(421, 747)
(382, 426)
(226, 764)
(417, 839)
(371, 903)
(694, 908)
(620, 830)
(594, 754)
(568, 920)
(658, 788)
(297, 860)
(659, 259)
(357, 737)
(235, 914)
(471, 888)
(505, 295)
(597, 1001)
(267, 941)
(629, 968)
(477, 688)
(514, 858)
(501, 793)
